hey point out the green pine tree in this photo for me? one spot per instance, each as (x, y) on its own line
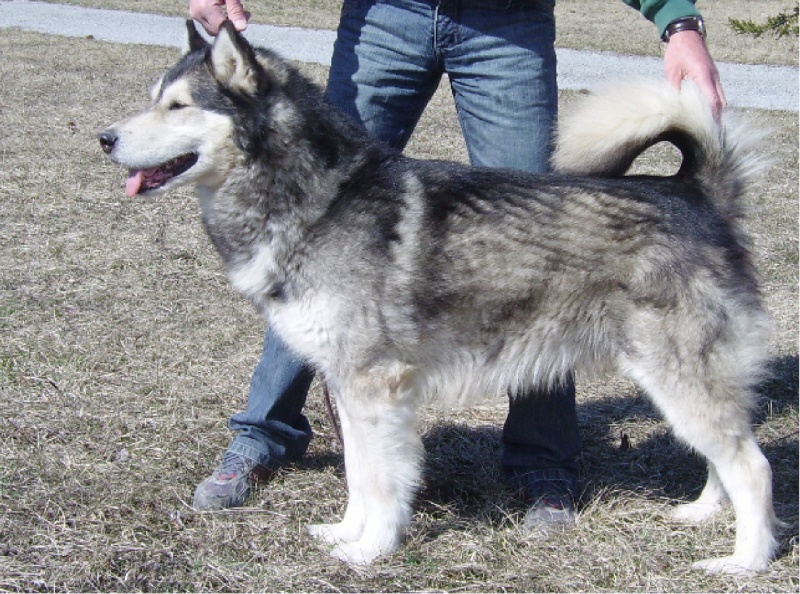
(783, 24)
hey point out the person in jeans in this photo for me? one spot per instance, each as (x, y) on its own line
(388, 59)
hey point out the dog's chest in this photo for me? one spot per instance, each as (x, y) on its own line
(305, 323)
(308, 325)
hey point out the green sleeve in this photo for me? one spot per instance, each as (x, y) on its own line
(663, 12)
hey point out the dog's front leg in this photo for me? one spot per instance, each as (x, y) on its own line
(382, 455)
(351, 527)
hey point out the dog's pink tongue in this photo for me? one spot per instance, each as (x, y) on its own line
(134, 182)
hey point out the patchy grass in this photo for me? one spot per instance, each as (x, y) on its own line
(125, 351)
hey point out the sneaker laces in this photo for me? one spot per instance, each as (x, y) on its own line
(232, 465)
(555, 494)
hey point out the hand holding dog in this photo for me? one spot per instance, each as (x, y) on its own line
(211, 15)
(686, 58)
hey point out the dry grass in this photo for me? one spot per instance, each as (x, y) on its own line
(124, 352)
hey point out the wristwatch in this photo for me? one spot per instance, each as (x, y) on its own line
(687, 23)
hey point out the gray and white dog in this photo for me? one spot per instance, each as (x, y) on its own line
(408, 282)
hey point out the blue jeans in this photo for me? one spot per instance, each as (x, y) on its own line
(388, 60)
(500, 60)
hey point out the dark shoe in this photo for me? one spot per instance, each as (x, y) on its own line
(552, 506)
(229, 485)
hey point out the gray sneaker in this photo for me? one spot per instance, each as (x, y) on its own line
(553, 507)
(229, 485)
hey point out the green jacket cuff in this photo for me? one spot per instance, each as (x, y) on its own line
(663, 12)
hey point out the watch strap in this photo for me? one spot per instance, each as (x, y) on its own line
(688, 23)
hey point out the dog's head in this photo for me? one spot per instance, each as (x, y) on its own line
(189, 132)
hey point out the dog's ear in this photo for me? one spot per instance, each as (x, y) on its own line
(233, 62)
(194, 40)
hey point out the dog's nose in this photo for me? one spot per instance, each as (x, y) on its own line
(107, 140)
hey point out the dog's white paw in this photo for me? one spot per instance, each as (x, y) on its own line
(694, 513)
(334, 533)
(731, 565)
(322, 532)
(357, 553)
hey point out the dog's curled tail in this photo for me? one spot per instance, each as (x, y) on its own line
(612, 127)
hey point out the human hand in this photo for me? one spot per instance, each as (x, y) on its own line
(211, 15)
(686, 57)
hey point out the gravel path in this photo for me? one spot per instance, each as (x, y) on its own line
(746, 86)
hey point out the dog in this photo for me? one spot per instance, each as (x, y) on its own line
(408, 282)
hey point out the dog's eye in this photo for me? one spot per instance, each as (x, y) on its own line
(175, 105)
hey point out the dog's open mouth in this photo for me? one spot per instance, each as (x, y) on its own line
(141, 181)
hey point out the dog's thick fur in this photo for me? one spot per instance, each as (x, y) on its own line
(407, 282)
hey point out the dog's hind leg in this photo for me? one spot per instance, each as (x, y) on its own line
(709, 502)
(747, 478)
(709, 412)
(383, 455)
